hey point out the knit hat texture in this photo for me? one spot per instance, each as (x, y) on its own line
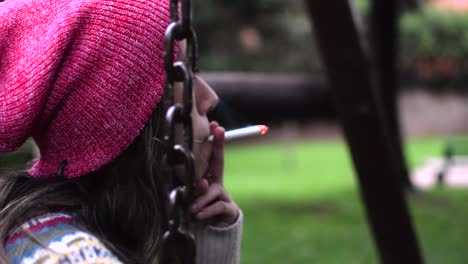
(81, 77)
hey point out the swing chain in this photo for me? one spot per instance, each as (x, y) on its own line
(178, 244)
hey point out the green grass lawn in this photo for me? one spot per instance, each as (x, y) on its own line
(301, 205)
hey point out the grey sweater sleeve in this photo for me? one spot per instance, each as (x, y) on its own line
(218, 245)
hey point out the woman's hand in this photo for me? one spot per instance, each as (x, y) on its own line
(214, 205)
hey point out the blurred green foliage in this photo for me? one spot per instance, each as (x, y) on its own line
(276, 36)
(435, 47)
(433, 32)
(17, 159)
(256, 35)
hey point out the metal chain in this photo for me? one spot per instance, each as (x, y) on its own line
(178, 244)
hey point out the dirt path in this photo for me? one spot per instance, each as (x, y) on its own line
(425, 114)
(422, 114)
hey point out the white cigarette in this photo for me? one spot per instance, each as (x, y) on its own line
(243, 132)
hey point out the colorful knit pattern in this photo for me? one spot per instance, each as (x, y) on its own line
(62, 242)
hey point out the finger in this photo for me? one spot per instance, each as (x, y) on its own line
(202, 187)
(217, 159)
(220, 208)
(215, 191)
(213, 125)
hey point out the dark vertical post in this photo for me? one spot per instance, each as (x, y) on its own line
(350, 77)
(384, 33)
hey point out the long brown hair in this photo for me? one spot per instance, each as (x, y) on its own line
(121, 203)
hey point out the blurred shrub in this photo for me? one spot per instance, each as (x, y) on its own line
(255, 36)
(434, 47)
(17, 159)
(276, 36)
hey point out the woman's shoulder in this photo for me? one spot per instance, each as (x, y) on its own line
(54, 238)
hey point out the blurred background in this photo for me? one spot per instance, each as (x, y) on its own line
(297, 185)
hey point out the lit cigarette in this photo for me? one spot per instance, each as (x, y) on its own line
(243, 132)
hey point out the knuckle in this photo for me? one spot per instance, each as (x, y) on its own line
(223, 207)
(218, 187)
(214, 190)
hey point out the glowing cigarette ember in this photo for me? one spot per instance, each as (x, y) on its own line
(243, 132)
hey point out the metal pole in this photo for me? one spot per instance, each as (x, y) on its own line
(348, 68)
(384, 33)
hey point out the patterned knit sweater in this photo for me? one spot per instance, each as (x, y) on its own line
(58, 240)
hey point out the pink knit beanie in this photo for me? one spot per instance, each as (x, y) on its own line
(82, 77)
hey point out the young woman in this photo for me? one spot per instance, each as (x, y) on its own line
(84, 79)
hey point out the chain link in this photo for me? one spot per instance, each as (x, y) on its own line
(178, 244)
